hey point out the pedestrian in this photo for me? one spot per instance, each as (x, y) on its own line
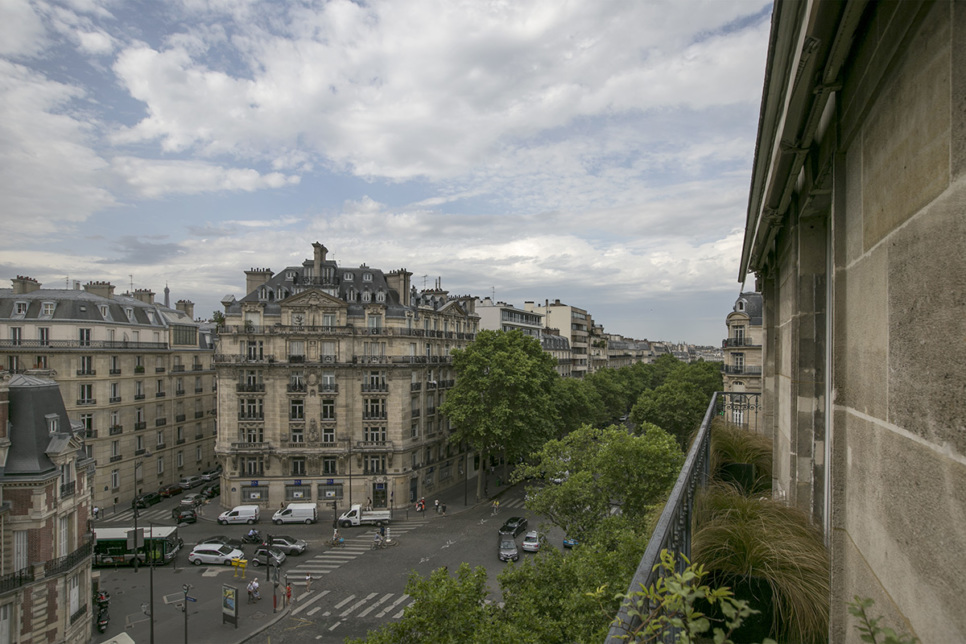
(288, 594)
(437, 506)
(444, 509)
(97, 511)
(308, 581)
(368, 504)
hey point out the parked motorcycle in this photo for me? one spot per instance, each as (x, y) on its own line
(103, 619)
(102, 599)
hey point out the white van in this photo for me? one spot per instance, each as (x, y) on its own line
(296, 513)
(239, 514)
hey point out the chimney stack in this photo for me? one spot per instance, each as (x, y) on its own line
(187, 307)
(104, 289)
(145, 295)
(255, 277)
(23, 284)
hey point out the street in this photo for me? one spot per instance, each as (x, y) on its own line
(353, 589)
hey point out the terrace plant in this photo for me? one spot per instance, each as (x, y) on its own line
(741, 457)
(744, 541)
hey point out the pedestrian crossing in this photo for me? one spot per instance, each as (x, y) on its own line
(145, 515)
(333, 558)
(370, 605)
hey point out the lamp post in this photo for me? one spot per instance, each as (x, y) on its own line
(151, 578)
(186, 588)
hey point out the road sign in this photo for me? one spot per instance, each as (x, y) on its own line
(190, 599)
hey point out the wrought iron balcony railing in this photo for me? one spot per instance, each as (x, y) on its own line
(87, 345)
(673, 530)
(63, 564)
(728, 343)
(17, 579)
(745, 370)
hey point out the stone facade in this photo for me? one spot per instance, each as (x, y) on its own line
(45, 539)
(741, 368)
(329, 382)
(138, 375)
(855, 230)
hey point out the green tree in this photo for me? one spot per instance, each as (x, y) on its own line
(600, 470)
(611, 389)
(677, 408)
(578, 403)
(503, 396)
(218, 318)
(447, 609)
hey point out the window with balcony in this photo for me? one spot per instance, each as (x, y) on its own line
(297, 381)
(328, 435)
(328, 381)
(84, 337)
(115, 479)
(138, 390)
(298, 467)
(115, 392)
(414, 431)
(254, 435)
(375, 434)
(160, 438)
(374, 408)
(251, 409)
(86, 395)
(375, 464)
(255, 349)
(328, 320)
(43, 335)
(296, 409)
(16, 336)
(160, 465)
(329, 466)
(296, 351)
(180, 459)
(328, 409)
(298, 435)
(159, 389)
(253, 466)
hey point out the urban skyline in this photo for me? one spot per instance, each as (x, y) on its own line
(596, 153)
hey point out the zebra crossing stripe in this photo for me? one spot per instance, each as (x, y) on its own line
(302, 605)
(393, 605)
(356, 605)
(375, 605)
(344, 602)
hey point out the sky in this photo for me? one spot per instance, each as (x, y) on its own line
(598, 152)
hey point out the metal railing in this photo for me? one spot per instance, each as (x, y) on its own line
(673, 530)
(741, 370)
(77, 344)
(17, 579)
(63, 564)
(739, 342)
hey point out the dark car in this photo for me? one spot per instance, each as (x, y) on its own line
(184, 515)
(514, 526)
(170, 490)
(146, 499)
(506, 547)
(211, 490)
(211, 475)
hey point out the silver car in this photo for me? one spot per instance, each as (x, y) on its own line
(289, 545)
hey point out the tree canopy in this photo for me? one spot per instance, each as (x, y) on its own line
(503, 396)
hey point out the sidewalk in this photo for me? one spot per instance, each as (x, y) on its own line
(456, 498)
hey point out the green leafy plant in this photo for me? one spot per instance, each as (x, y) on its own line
(869, 628)
(667, 607)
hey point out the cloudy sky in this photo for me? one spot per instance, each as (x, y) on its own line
(593, 151)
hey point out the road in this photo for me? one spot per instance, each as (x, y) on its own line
(354, 588)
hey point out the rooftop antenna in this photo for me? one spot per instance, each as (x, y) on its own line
(424, 281)
(132, 281)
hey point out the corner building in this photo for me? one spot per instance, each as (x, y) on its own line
(329, 381)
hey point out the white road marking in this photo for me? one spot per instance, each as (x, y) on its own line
(375, 605)
(393, 605)
(357, 604)
(303, 604)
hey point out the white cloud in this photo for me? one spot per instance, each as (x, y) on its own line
(49, 173)
(21, 29)
(153, 179)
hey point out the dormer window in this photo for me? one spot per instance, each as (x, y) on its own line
(367, 277)
(103, 308)
(20, 309)
(47, 309)
(740, 306)
(129, 312)
(53, 423)
(380, 297)
(347, 277)
(290, 275)
(263, 294)
(366, 295)
(150, 315)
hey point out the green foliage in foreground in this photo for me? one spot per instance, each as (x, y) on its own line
(869, 628)
(668, 605)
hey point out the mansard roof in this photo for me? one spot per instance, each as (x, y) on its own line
(34, 401)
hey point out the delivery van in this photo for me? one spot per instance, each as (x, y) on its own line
(296, 513)
(239, 514)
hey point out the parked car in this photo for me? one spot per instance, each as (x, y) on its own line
(531, 542)
(212, 554)
(211, 475)
(170, 490)
(514, 526)
(221, 540)
(289, 545)
(211, 490)
(569, 542)
(276, 556)
(189, 482)
(507, 547)
(192, 500)
(146, 499)
(184, 515)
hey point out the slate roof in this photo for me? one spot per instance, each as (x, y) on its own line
(752, 307)
(32, 399)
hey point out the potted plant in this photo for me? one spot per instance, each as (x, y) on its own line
(771, 556)
(741, 457)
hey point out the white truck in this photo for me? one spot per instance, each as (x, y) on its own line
(357, 516)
